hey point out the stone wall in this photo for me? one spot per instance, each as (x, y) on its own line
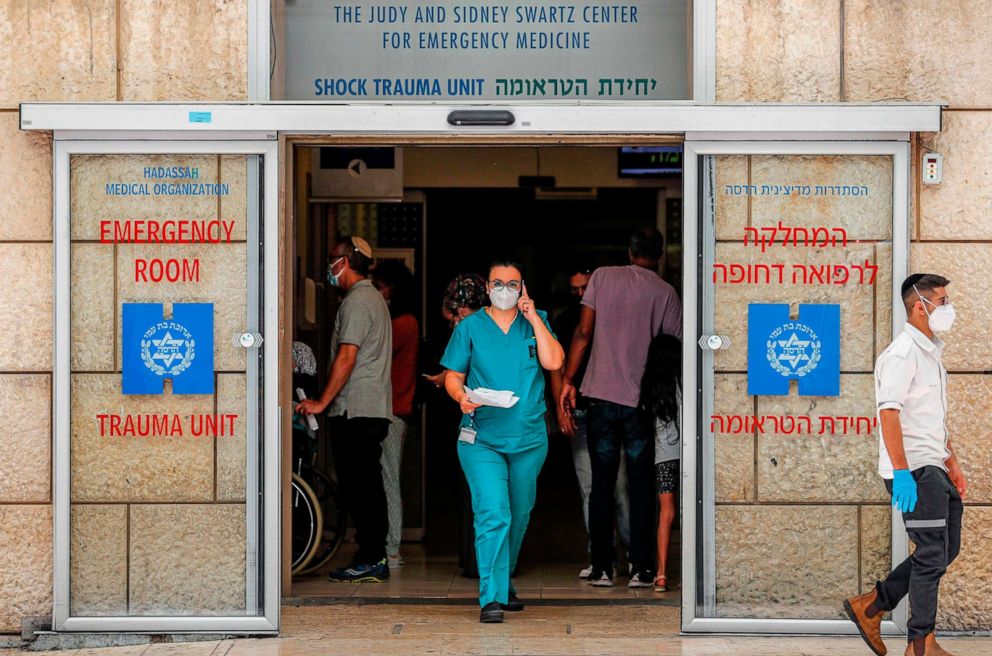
(78, 50)
(915, 50)
(768, 50)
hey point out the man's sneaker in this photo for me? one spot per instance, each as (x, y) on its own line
(642, 578)
(395, 560)
(600, 579)
(585, 573)
(362, 572)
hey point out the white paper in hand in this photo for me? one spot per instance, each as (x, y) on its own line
(493, 398)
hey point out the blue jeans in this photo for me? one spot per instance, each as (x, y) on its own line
(610, 427)
(583, 472)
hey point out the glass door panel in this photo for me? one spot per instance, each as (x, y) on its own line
(795, 276)
(164, 386)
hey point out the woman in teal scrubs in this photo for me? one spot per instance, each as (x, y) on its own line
(502, 450)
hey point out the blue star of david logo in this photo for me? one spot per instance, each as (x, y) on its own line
(155, 348)
(781, 349)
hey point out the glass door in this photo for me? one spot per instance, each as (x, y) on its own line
(166, 464)
(796, 261)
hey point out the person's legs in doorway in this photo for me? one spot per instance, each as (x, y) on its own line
(638, 446)
(666, 485)
(524, 468)
(392, 457)
(583, 473)
(357, 455)
(621, 498)
(604, 454)
(487, 473)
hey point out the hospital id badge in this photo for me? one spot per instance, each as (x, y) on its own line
(467, 435)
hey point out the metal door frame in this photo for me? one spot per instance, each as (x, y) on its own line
(262, 486)
(698, 498)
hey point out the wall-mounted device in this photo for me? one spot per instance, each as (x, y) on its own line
(932, 168)
(344, 173)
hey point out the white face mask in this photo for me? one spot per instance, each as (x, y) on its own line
(942, 317)
(504, 299)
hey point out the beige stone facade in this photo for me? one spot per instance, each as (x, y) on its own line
(767, 51)
(83, 50)
(872, 50)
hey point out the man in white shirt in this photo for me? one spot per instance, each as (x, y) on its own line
(918, 465)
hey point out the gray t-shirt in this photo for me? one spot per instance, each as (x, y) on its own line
(363, 320)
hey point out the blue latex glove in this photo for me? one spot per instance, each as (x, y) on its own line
(903, 490)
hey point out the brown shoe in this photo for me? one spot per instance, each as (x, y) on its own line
(870, 628)
(930, 648)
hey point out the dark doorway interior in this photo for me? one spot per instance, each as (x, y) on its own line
(462, 230)
(466, 230)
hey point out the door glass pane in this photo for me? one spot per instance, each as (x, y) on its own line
(160, 391)
(797, 274)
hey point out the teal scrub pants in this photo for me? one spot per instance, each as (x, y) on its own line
(504, 487)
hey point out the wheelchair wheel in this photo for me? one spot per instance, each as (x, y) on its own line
(307, 523)
(335, 519)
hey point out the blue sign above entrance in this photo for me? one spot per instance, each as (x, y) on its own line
(155, 348)
(781, 349)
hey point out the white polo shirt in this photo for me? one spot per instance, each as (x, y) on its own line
(910, 378)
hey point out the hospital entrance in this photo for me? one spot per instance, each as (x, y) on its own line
(442, 211)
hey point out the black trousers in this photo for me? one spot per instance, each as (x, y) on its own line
(934, 526)
(609, 428)
(357, 445)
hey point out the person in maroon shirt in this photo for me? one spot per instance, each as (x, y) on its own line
(395, 282)
(624, 307)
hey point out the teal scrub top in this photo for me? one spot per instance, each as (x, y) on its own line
(501, 361)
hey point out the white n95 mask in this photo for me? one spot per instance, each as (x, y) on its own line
(942, 318)
(504, 299)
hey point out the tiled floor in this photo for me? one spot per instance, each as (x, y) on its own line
(454, 630)
(439, 578)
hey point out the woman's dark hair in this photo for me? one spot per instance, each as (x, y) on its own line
(507, 262)
(395, 275)
(662, 382)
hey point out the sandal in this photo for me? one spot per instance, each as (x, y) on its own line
(659, 583)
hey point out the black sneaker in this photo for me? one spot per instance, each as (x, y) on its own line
(600, 579)
(513, 604)
(641, 578)
(491, 613)
(362, 572)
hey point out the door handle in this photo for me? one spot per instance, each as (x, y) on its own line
(714, 342)
(247, 340)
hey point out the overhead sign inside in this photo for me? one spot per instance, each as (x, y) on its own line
(464, 50)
